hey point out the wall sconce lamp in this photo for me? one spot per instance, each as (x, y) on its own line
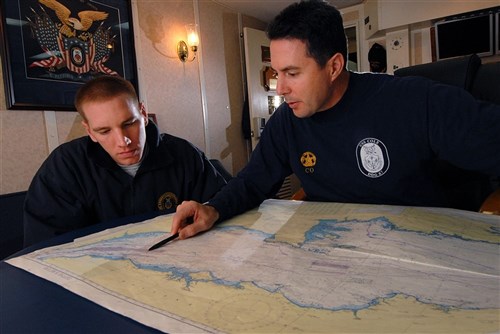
(192, 41)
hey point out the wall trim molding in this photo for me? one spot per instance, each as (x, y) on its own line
(203, 84)
(51, 129)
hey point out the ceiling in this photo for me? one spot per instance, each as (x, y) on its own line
(266, 10)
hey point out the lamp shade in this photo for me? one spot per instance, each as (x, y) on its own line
(192, 35)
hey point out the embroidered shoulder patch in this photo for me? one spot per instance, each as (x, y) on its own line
(308, 160)
(167, 201)
(372, 157)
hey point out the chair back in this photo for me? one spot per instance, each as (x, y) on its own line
(458, 72)
(486, 85)
(220, 168)
(11, 223)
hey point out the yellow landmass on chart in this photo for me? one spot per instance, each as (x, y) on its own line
(411, 219)
(225, 308)
(426, 221)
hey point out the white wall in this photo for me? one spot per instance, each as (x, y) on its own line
(201, 101)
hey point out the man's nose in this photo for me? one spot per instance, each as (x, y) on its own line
(281, 87)
(123, 140)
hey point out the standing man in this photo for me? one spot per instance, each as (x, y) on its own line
(123, 167)
(377, 57)
(351, 137)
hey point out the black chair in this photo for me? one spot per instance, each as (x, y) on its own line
(458, 72)
(486, 84)
(220, 168)
(11, 226)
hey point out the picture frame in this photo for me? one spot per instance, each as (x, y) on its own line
(50, 48)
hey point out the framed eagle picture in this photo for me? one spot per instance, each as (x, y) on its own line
(50, 48)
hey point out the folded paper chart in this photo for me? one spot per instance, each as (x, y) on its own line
(292, 266)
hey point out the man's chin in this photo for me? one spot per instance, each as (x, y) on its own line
(126, 161)
(301, 113)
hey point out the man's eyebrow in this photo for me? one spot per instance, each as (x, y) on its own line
(101, 128)
(288, 68)
(128, 120)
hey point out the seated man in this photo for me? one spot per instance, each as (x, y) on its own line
(123, 167)
(351, 137)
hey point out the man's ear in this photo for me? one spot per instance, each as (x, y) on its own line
(337, 65)
(87, 129)
(144, 113)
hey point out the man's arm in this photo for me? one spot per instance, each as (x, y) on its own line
(52, 206)
(259, 180)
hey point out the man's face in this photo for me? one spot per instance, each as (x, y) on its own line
(306, 86)
(118, 126)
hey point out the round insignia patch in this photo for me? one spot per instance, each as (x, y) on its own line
(372, 157)
(167, 201)
(308, 159)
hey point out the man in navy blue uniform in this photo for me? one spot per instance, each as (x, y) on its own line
(123, 167)
(351, 137)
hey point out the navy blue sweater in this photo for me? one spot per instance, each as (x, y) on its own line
(79, 185)
(377, 145)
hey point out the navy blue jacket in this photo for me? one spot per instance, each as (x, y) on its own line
(378, 145)
(80, 184)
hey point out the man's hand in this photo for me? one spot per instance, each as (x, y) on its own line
(204, 217)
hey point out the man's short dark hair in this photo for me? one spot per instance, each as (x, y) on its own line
(314, 22)
(104, 88)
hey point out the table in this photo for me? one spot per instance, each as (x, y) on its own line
(29, 304)
(288, 266)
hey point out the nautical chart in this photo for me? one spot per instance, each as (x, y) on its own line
(292, 266)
